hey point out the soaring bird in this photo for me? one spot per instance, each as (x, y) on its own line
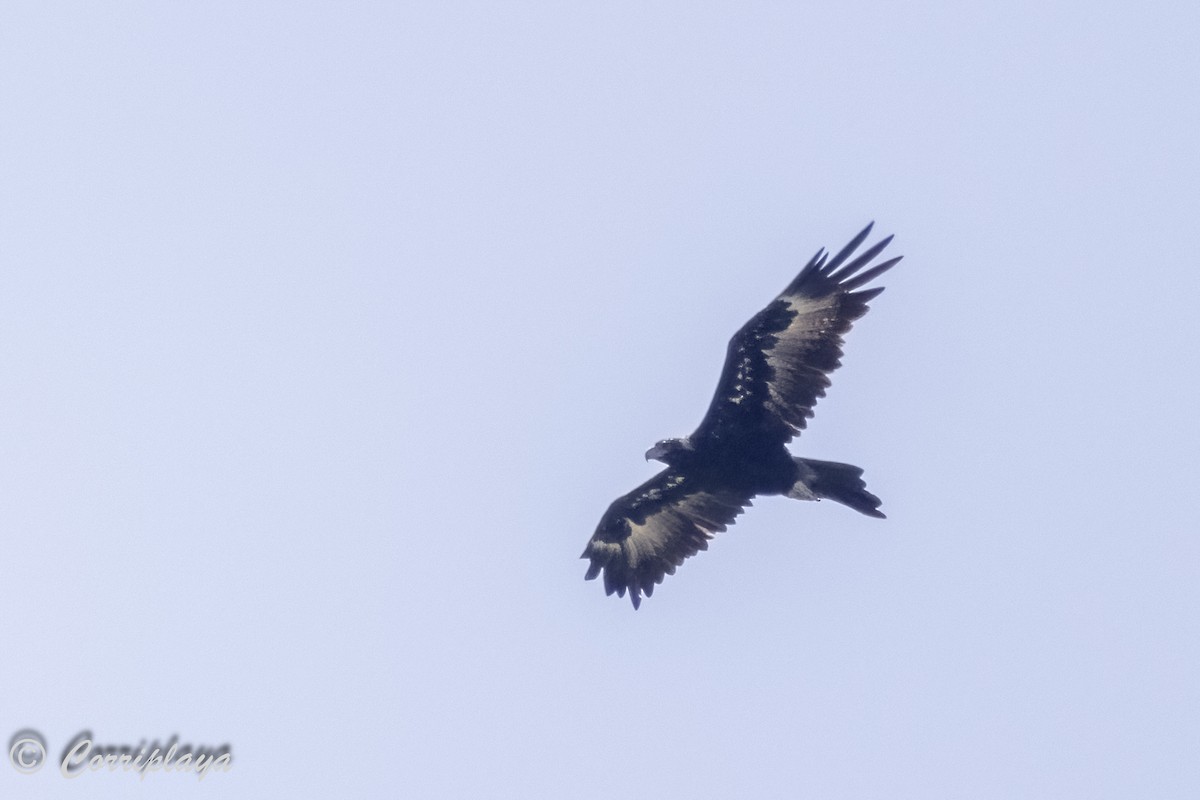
(776, 368)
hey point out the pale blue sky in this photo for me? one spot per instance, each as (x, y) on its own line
(329, 331)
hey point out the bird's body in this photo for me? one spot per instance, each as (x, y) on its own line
(775, 369)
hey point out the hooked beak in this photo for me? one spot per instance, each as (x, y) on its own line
(656, 453)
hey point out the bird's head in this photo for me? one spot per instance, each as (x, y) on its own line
(670, 451)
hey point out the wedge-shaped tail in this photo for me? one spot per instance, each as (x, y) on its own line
(831, 480)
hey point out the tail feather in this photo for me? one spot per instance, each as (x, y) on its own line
(830, 480)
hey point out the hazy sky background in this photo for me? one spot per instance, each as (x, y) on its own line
(329, 331)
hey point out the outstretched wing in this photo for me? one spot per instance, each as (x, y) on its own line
(647, 533)
(778, 364)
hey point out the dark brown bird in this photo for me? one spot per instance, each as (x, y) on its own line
(776, 368)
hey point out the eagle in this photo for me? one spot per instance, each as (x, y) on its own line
(776, 367)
